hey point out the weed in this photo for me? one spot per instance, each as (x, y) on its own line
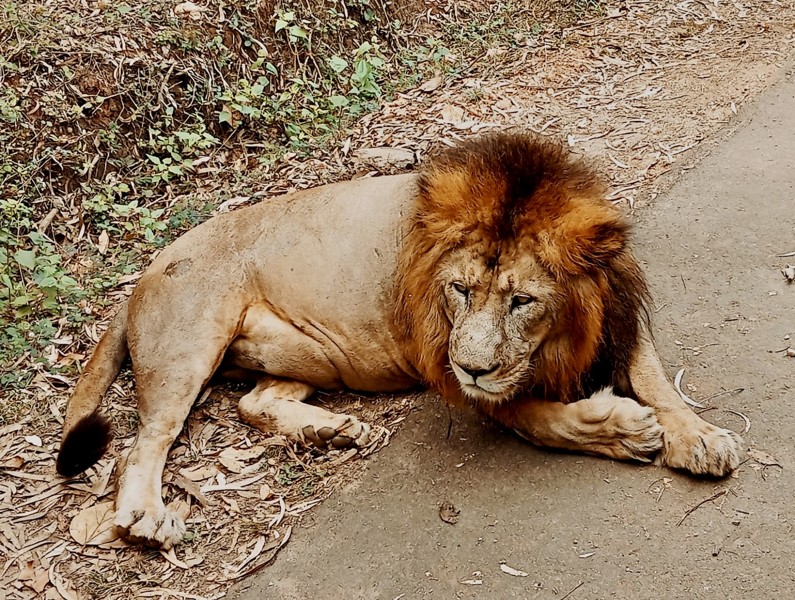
(121, 122)
(584, 7)
(289, 473)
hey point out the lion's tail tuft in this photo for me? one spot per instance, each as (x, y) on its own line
(87, 432)
(84, 444)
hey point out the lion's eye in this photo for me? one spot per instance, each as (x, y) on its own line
(460, 288)
(521, 300)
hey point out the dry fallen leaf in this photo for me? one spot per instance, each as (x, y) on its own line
(449, 513)
(190, 9)
(432, 84)
(199, 473)
(386, 157)
(232, 459)
(192, 489)
(62, 586)
(34, 577)
(33, 440)
(685, 397)
(15, 462)
(104, 240)
(94, 525)
(763, 458)
(511, 571)
(265, 491)
(452, 113)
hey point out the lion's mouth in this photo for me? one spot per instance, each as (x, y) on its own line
(493, 387)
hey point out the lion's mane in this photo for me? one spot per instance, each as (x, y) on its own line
(518, 186)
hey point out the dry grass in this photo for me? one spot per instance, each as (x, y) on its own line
(639, 84)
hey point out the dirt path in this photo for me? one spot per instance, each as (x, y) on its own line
(583, 527)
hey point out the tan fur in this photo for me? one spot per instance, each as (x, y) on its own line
(498, 276)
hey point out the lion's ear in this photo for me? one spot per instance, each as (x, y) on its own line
(587, 237)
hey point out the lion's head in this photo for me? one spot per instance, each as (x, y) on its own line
(514, 272)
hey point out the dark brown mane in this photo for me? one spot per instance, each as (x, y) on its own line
(505, 186)
(522, 169)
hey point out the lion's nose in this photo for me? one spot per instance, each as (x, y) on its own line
(474, 373)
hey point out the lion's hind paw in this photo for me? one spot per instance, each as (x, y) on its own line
(350, 433)
(159, 528)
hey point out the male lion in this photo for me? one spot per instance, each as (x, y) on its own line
(498, 275)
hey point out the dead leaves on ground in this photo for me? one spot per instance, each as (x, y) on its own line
(604, 87)
(93, 526)
(240, 492)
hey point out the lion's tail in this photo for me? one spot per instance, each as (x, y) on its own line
(87, 432)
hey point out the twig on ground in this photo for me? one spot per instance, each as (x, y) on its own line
(714, 496)
(574, 589)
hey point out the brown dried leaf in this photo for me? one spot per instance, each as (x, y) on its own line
(386, 157)
(199, 473)
(265, 491)
(100, 487)
(452, 113)
(39, 581)
(61, 585)
(233, 458)
(763, 458)
(432, 84)
(449, 513)
(104, 240)
(190, 9)
(190, 488)
(94, 525)
(15, 462)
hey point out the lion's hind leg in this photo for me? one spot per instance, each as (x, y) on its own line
(174, 354)
(165, 398)
(276, 406)
(603, 424)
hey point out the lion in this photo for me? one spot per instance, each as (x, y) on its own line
(497, 275)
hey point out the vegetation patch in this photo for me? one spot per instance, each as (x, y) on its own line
(124, 124)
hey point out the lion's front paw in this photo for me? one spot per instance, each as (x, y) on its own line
(339, 431)
(694, 445)
(622, 428)
(158, 527)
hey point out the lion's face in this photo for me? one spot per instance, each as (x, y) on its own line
(500, 306)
